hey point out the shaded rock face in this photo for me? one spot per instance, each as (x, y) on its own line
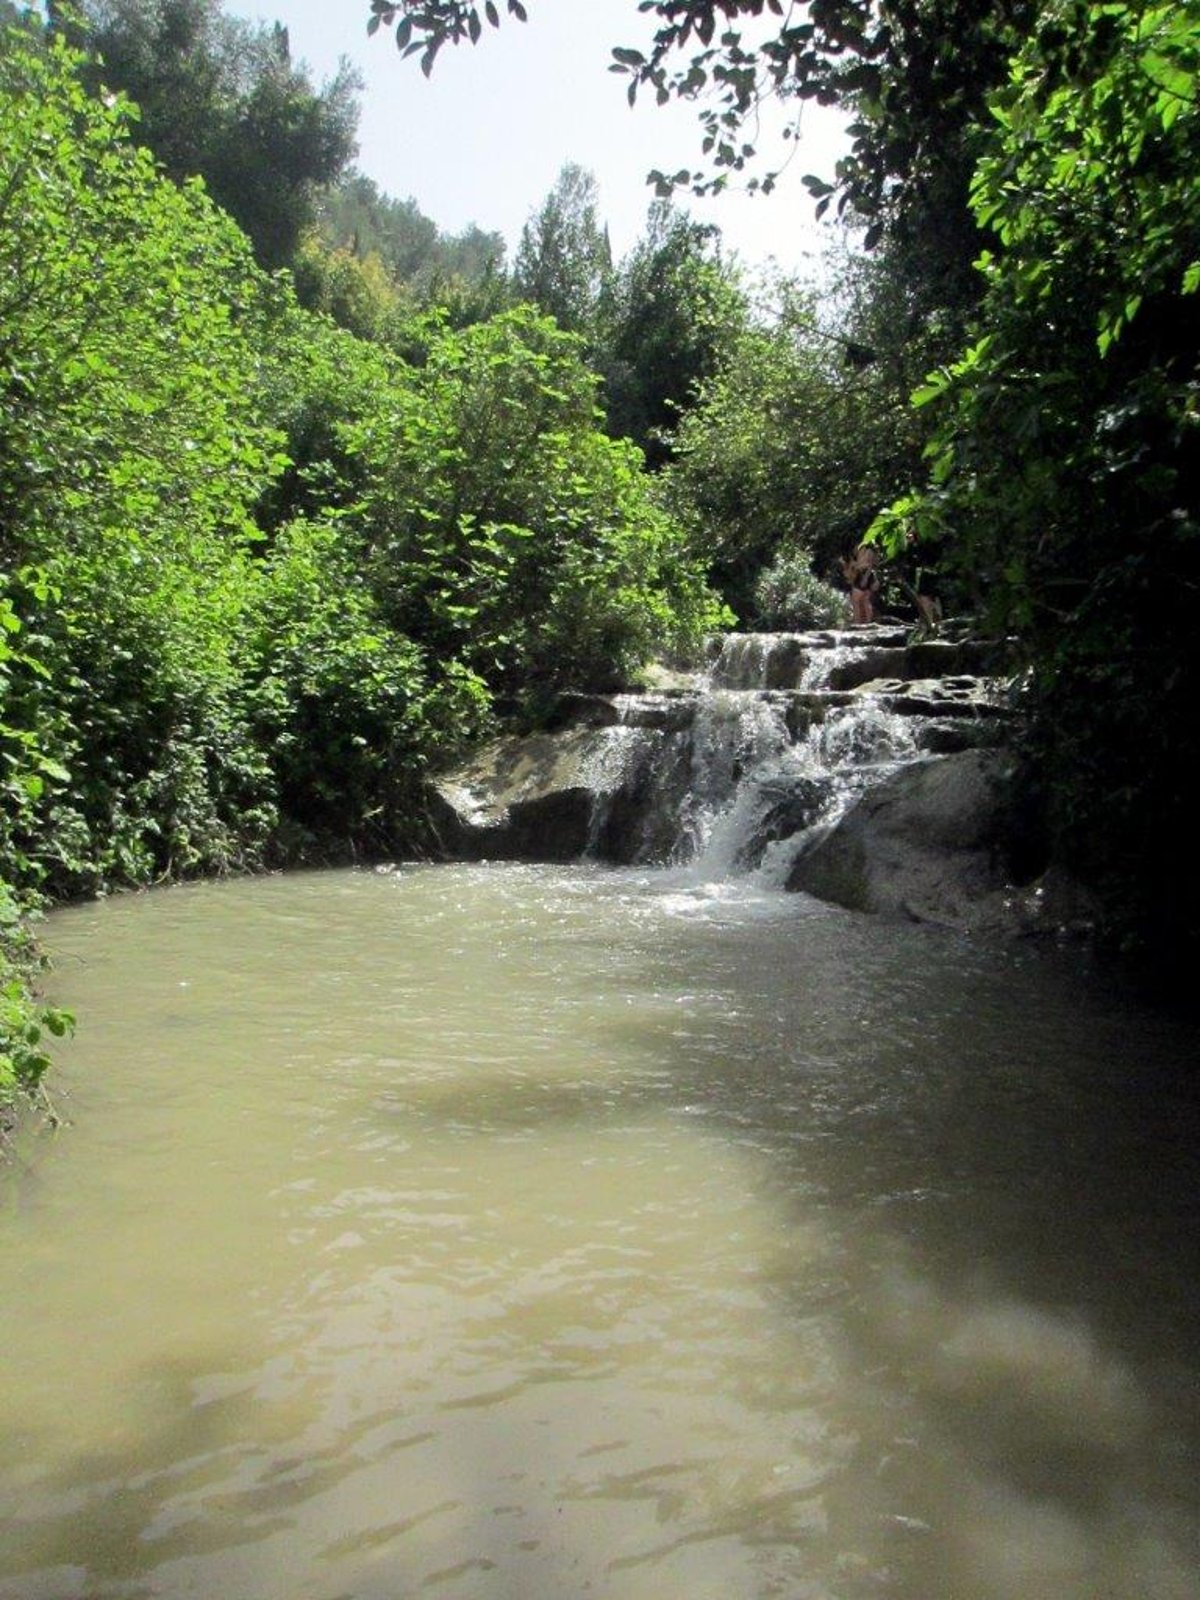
(927, 842)
(790, 807)
(523, 799)
(942, 841)
(745, 764)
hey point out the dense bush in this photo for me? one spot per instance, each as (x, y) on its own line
(505, 532)
(349, 711)
(789, 594)
(130, 453)
(1063, 462)
(24, 773)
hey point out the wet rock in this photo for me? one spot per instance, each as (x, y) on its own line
(786, 660)
(960, 696)
(667, 713)
(942, 658)
(868, 666)
(529, 798)
(786, 809)
(669, 710)
(584, 710)
(608, 790)
(662, 678)
(760, 660)
(928, 843)
(806, 706)
(1055, 905)
(939, 736)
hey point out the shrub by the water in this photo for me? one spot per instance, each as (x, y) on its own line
(789, 594)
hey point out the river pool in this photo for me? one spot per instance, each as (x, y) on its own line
(526, 1233)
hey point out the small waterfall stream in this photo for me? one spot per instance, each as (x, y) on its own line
(727, 768)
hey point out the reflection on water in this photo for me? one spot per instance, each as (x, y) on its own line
(536, 1232)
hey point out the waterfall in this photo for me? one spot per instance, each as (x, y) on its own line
(727, 771)
(779, 745)
(804, 784)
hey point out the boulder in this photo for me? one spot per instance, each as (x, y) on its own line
(928, 843)
(528, 798)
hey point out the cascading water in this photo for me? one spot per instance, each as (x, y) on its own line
(726, 771)
(822, 667)
(734, 735)
(666, 774)
(782, 801)
(772, 746)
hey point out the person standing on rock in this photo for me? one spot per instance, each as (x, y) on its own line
(919, 580)
(859, 572)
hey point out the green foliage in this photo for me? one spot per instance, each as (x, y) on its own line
(25, 771)
(913, 80)
(667, 318)
(1063, 462)
(130, 451)
(24, 1023)
(506, 532)
(391, 240)
(355, 291)
(789, 594)
(795, 440)
(315, 381)
(356, 216)
(347, 708)
(221, 98)
(563, 260)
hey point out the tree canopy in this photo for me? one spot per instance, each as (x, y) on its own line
(564, 257)
(222, 99)
(668, 316)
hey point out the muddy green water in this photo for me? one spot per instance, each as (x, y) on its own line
(540, 1233)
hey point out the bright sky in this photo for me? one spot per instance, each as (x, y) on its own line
(484, 139)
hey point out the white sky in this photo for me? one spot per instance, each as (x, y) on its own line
(484, 139)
